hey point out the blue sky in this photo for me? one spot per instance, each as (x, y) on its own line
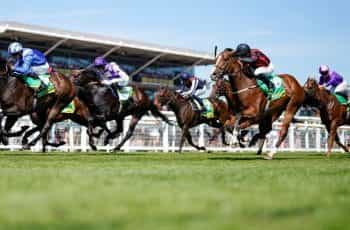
(297, 35)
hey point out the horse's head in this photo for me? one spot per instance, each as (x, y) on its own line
(311, 87)
(226, 64)
(85, 77)
(163, 97)
(221, 88)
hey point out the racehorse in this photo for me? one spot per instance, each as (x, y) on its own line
(332, 113)
(138, 105)
(80, 115)
(251, 105)
(188, 118)
(17, 100)
(109, 107)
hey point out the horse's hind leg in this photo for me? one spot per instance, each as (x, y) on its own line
(56, 109)
(337, 140)
(155, 112)
(331, 137)
(133, 123)
(291, 110)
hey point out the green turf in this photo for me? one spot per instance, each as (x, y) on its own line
(172, 191)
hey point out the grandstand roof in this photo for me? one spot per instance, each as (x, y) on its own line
(47, 38)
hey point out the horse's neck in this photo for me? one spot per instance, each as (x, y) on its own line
(324, 98)
(4, 83)
(241, 81)
(176, 103)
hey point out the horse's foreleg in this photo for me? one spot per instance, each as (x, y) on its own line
(265, 126)
(132, 126)
(182, 140)
(3, 139)
(116, 133)
(331, 137)
(189, 139)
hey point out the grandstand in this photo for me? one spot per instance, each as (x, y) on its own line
(148, 63)
(67, 50)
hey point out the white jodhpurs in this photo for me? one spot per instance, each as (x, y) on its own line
(267, 71)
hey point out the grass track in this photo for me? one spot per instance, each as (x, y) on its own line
(172, 191)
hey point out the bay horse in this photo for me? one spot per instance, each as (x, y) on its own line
(188, 118)
(109, 107)
(81, 116)
(251, 105)
(138, 105)
(332, 113)
(17, 100)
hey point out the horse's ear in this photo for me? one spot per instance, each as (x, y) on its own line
(215, 51)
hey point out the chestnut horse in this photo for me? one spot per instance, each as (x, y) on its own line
(17, 100)
(332, 113)
(251, 105)
(188, 118)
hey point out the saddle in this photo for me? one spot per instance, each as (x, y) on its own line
(207, 110)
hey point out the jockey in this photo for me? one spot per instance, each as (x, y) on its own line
(333, 81)
(260, 65)
(29, 62)
(193, 87)
(111, 73)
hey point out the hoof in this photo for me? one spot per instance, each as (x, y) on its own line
(26, 147)
(267, 157)
(116, 150)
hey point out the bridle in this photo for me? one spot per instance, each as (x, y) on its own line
(221, 71)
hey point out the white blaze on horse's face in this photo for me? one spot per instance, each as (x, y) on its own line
(218, 60)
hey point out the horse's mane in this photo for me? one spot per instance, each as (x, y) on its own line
(228, 50)
(3, 61)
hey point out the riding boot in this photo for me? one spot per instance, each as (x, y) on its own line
(200, 101)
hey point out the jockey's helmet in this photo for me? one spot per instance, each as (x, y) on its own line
(242, 50)
(15, 48)
(100, 61)
(324, 70)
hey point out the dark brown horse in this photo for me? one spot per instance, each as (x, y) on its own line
(81, 115)
(17, 100)
(188, 118)
(106, 106)
(251, 105)
(332, 113)
(138, 105)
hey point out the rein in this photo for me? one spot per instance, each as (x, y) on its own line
(245, 89)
